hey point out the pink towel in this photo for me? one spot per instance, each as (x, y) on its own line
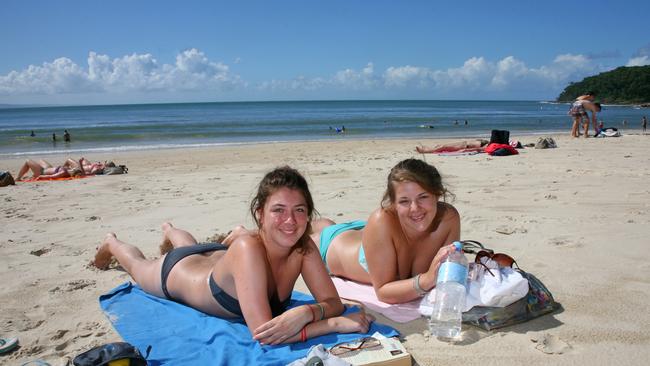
(401, 313)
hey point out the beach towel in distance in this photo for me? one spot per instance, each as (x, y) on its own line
(50, 179)
(180, 335)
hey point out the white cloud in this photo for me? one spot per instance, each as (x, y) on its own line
(404, 76)
(363, 79)
(60, 76)
(299, 83)
(639, 61)
(192, 71)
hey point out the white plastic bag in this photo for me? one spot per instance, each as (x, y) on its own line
(499, 289)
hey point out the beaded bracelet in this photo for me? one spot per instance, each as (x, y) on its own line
(416, 285)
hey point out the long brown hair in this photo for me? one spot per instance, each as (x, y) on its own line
(283, 177)
(416, 171)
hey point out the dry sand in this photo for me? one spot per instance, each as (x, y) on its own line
(577, 216)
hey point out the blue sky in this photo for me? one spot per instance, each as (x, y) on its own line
(104, 52)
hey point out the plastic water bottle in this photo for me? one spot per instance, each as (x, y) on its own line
(449, 302)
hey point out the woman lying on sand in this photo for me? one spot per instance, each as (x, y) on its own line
(254, 276)
(462, 146)
(398, 250)
(42, 170)
(89, 167)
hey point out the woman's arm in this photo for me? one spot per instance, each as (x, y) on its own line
(249, 268)
(451, 224)
(377, 240)
(320, 284)
(321, 318)
(247, 264)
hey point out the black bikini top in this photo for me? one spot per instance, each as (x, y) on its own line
(232, 305)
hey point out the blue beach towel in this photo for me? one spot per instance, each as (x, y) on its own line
(180, 335)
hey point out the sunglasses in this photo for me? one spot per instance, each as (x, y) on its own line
(503, 260)
(359, 344)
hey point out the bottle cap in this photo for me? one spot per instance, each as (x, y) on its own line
(458, 246)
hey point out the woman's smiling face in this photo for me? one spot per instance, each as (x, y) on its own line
(416, 208)
(285, 217)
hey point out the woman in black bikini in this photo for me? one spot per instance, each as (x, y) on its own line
(254, 276)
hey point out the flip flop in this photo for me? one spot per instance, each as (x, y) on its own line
(36, 363)
(7, 344)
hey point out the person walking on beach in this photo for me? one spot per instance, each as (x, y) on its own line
(644, 123)
(53, 137)
(66, 136)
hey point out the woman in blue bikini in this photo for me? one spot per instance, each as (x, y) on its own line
(253, 277)
(398, 250)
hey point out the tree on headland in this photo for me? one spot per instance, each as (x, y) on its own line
(623, 85)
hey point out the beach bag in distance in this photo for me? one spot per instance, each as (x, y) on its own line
(545, 143)
(120, 169)
(111, 353)
(6, 179)
(500, 137)
(539, 301)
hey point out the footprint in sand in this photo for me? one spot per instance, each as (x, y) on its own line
(73, 286)
(59, 334)
(508, 230)
(24, 323)
(40, 252)
(550, 344)
(564, 242)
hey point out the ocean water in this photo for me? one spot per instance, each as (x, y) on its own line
(157, 126)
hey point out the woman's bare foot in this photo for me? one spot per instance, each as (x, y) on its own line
(103, 255)
(419, 149)
(166, 245)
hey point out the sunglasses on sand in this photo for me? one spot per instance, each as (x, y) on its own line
(503, 260)
(359, 344)
(475, 247)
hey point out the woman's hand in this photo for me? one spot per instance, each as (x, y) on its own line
(358, 322)
(429, 278)
(282, 327)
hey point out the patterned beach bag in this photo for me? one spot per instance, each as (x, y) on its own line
(539, 301)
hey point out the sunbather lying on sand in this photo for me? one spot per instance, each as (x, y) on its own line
(43, 170)
(89, 167)
(254, 276)
(461, 146)
(399, 249)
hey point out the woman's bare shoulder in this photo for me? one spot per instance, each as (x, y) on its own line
(247, 244)
(381, 223)
(381, 216)
(449, 212)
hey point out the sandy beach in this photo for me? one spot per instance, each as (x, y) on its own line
(576, 216)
